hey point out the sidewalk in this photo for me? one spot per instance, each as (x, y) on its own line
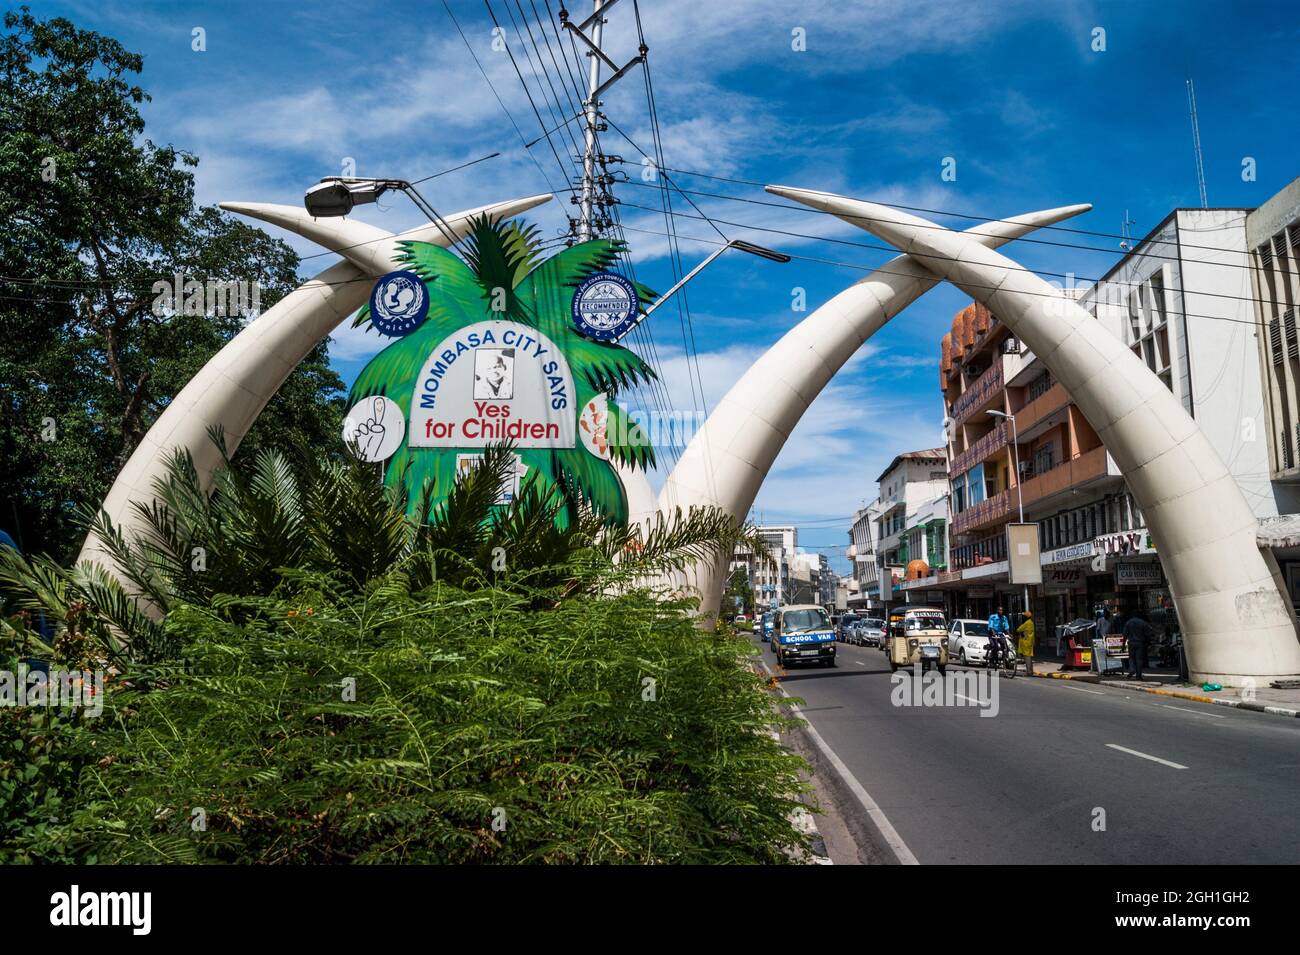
(1264, 699)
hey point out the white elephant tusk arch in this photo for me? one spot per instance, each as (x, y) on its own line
(1235, 623)
(728, 458)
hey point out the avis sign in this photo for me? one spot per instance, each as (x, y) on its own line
(492, 382)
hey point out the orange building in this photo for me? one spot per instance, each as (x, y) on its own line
(1066, 481)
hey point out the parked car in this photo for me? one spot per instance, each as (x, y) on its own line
(844, 626)
(968, 641)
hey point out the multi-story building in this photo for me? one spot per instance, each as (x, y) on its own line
(864, 581)
(1183, 300)
(1037, 452)
(1273, 244)
(901, 525)
(771, 579)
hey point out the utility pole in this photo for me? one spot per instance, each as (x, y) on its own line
(594, 198)
(592, 113)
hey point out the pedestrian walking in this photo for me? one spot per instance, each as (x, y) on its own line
(1025, 645)
(1138, 635)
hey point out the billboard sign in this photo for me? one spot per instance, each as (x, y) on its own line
(492, 382)
(489, 354)
(1024, 564)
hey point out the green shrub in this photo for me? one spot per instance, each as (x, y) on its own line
(469, 710)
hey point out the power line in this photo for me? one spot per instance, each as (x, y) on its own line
(99, 285)
(943, 212)
(884, 271)
(947, 258)
(527, 92)
(936, 227)
(500, 102)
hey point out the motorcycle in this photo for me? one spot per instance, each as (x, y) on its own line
(1001, 656)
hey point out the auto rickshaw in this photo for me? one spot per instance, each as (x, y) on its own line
(917, 635)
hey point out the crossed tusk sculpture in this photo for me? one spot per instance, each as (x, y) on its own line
(1237, 627)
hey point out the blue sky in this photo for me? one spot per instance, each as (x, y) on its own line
(1013, 91)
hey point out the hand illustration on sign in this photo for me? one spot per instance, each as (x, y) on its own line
(370, 433)
(374, 428)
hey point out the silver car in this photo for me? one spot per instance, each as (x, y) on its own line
(869, 632)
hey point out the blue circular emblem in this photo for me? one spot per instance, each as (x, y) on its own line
(604, 306)
(399, 303)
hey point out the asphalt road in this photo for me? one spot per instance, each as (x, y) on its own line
(1023, 786)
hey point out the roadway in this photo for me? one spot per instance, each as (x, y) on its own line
(1179, 781)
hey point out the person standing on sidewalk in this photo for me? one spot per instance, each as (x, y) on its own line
(1137, 634)
(1025, 645)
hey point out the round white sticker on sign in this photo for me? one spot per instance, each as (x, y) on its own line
(593, 426)
(374, 428)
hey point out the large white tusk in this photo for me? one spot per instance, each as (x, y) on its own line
(727, 460)
(233, 387)
(1236, 625)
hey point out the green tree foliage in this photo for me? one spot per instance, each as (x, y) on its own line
(443, 726)
(95, 214)
(739, 589)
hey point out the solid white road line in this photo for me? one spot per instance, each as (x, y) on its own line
(1183, 709)
(1154, 759)
(887, 831)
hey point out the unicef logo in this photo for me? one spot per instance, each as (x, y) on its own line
(604, 306)
(399, 302)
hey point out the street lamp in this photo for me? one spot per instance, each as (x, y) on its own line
(763, 253)
(338, 195)
(1020, 498)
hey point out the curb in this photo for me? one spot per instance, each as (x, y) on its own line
(804, 821)
(1251, 705)
(1081, 677)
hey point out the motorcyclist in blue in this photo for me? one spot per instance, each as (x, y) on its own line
(999, 630)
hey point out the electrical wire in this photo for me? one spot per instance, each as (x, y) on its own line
(500, 102)
(1016, 267)
(958, 215)
(937, 227)
(527, 91)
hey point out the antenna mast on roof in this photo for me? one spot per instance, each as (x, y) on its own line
(1196, 143)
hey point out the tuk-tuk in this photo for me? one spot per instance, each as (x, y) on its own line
(802, 633)
(917, 635)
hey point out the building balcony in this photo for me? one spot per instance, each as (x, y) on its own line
(979, 393)
(987, 550)
(1048, 403)
(995, 510)
(980, 450)
(1087, 467)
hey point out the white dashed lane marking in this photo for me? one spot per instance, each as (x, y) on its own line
(1154, 759)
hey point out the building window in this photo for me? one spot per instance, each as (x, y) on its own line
(1040, 385)
(1044, 458)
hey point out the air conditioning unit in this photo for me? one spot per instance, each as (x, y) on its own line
(1011, 346)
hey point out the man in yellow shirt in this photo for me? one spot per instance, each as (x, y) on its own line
(1025, 643)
